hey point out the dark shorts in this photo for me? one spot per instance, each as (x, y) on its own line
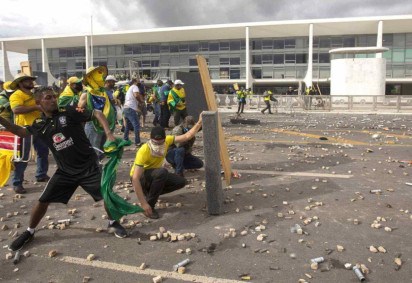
(61, 186)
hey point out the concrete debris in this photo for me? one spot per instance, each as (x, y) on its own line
(142, 266)
(91, 257)
(261, 237)
(157, 279)
(52, 253)
(86, 279)
(340, 248)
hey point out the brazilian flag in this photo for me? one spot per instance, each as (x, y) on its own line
(115, 204)
(98, 99)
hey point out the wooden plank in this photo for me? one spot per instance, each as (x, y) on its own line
(211, 102)
(26, 68)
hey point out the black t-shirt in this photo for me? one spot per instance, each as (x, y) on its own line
(64, 134)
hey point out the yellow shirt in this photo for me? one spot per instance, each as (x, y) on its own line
(20, 98)
(146, 160)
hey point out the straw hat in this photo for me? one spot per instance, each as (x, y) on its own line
(18, 78)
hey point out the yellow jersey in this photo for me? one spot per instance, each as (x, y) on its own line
(20, 98)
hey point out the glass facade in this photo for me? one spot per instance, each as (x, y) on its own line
(271, 58)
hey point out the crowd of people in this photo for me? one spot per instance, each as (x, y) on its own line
(75, 125)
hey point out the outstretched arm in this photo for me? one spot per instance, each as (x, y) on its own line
(138, 172)
(190, 134)
(17, 130)
(103, 121)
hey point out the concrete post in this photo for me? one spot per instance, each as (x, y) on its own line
(214, 192)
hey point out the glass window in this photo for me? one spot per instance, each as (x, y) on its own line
(214, 46)
(372, 40)
(174, 48)
(315, 58)
(128, 49)
(348, 42)
(387, 40)
(279, 73)
(301, 58)
(290, 43)
(224, 45)
(324, 58)
(315, 42)
(79, 52)
(55, 53)
(242, 44)
(398, 71)
(398, 56)
(146, 63)
(224, 61)
(387, 55)
(256, 44)
(183, 60)
(111, 50)
(214, 74)
(174, 61)
(267, 44)
(193, 47)
(267, 73)
(324, 42)
(80, 65)
(300, 43)
(408, 55)
(154, 48)
(214, 60)
(399, 40)
(256, 59)
(290, 58)
(290, 72)
(256, 73)
(192, 62)
(204, 46)
(164, 48)
(235, 61)
(267, 59)
(279, 44)
(119, 50)
(137, 49)
(183, 47)
(279, 58)
(62, 53)
(224, 73)
(120, 63)
(111, 63)
(336, 42)
(235, 74)
(408, 40)
(102, 51)
(155, 63)
(235, 45)
(145, 48)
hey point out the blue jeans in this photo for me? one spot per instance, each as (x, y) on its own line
(96, 139)
(180, 160)
(132, 120)
(156, 110)
(42, 160)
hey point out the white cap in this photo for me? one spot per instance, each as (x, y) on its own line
(178, 82)
(110, 78)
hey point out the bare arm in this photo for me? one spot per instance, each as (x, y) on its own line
(138, 172)
(138, 97)
(26, 109)
(82, 101)
(190, 134)
(103, 121)
(17, 130)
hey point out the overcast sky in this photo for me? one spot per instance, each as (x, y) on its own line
(53, 17)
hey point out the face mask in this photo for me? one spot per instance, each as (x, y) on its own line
(78, 87)
(156, 150)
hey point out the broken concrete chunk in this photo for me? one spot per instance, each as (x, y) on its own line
(314, 266)
(398, 261)
(142, 266)
(86, 279)
(381, 249)
(27, 254)
(261, 237)
(52, 253)
(9, 256)
(153, 238)
(91, 257)
(340, 248)
(348, 266)
(157, 279)
(373, 249)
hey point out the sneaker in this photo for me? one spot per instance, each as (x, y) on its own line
(19, 189)
(155, 214)
(43, 179)
(117, 229)
(21, 240)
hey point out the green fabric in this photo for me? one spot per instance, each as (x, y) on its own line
(115, 204)
(68, 100)
(174, 102)
(108, 111)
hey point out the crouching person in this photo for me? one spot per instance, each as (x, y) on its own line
(149, 178)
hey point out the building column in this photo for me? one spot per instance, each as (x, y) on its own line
(7, 76)
(249, 78)
(379, 38)
(309, 76)
(87, 49)
(45, 64)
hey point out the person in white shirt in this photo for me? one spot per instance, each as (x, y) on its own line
(132, 119)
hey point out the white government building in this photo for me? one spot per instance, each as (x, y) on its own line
(343, 56)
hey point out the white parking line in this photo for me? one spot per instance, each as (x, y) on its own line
(302, 174)
(147, 271)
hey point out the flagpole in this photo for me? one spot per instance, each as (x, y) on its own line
(91, 41)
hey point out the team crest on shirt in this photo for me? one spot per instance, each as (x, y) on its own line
(58, 138)
(63, 121)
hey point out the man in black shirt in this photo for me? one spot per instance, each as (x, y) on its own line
(62, 130)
